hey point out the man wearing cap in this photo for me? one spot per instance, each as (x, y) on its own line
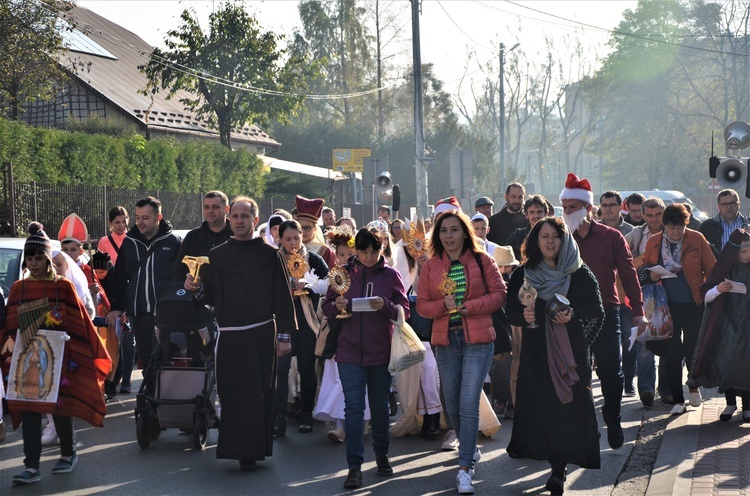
(483, 206)
(481, 229)
(143, 271)
(511, 217)
(308, 213)
(212, 232)
(607, 254)
(535, 209)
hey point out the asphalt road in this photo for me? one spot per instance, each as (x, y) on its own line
(112, 463)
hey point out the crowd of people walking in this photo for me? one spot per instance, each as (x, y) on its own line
(516, 310)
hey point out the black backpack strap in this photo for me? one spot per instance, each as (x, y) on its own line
(114, 245)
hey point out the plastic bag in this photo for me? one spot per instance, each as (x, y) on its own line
(407, 349)
(656, 310)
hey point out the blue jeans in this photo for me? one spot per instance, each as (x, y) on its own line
(376, 382)
(638, 361)
(463, 367)
(606, 350)
(127, 348)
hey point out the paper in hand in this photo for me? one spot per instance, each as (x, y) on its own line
(664, 273)
(633, 337)
(737, 287)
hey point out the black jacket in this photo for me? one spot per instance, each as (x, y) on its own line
(144, 269)
(198, 243)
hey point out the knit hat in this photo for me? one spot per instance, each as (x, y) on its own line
(308, 209)
(450, 203)
(38, 240)
(73, 229)
(577, 189)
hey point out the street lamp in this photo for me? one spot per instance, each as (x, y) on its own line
(501, 124)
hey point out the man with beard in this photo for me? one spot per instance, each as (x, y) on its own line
(607, 254)
(535, 209)
(510, 217)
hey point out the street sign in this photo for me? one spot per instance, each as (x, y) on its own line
(348, 159)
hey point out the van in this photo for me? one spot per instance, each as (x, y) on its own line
(669, 196)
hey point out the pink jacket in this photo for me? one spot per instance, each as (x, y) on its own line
(480, 305)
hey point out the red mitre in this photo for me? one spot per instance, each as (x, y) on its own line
(308, 209)
(73, 229)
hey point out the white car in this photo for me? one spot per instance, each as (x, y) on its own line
(11, 258)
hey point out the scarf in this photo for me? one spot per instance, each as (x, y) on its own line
(548, 281)
(672, 259)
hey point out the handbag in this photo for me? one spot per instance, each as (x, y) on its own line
(499, 319)
(656, 310)
(328, 336)
(421, 325)
(407, 349)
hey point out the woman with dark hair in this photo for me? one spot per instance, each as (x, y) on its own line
(462, 331)
(555, 417)
(303, 340)
(364, 349)
(687, 255)
(722, 356)
(110, 244)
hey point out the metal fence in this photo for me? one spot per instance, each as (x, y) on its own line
(50, 203)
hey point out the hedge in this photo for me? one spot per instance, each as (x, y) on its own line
(57, 156)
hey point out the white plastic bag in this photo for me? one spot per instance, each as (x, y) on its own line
(406, 347)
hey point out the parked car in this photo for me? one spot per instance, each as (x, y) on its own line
(11, 258)
(669, 197)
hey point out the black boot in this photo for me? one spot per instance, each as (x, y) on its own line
(556, 482)
(353, 479)
(430, 426)
(279, 425)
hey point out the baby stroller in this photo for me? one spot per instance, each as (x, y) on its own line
(178, 388)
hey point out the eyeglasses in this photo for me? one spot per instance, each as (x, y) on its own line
(609, 205)
(675, 227)
(308, 228)
(635, 210)
(728, 204)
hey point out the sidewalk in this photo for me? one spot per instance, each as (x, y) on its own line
(701, 455)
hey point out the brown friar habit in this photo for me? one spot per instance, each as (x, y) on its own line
(85, 363)
(247, 283)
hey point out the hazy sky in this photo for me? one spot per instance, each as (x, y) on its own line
(449, 28)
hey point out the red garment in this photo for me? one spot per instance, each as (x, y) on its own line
(92, 278)
(477, 323)
(606, 252)
(86, 362)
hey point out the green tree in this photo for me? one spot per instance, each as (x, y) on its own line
(220, 65)
(31, 34)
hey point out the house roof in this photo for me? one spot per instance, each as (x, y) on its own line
(107, 57)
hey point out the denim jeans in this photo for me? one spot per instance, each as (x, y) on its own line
(637, 361)
(463, 368)
(606, 350)
(376, 382)
(127, 349)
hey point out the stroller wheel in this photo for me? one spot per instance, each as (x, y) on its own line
(143, 429)
(155, 426)
(200, 431)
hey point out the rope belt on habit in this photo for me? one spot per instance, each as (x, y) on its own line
(245, 328)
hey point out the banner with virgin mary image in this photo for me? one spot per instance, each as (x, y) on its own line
(35, 368)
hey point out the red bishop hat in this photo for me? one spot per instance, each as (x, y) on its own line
(577, 189)
(308, 209)
(450, 203)
(73, 229)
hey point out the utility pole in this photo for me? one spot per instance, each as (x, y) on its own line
(420, 164)
(501, 123)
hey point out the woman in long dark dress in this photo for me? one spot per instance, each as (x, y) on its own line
(555, 417)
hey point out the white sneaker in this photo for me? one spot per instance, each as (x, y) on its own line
(695, 398)
(49, 435)
(450, 441)
(336, 434)
(678, 409)
(463, 483)
(475, 460)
